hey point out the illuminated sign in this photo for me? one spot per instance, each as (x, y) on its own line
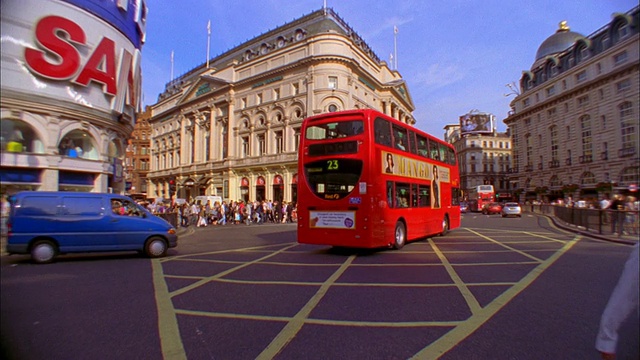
(88, 54)
(476, 123)
(128, 16)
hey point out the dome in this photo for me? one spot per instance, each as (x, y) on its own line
(558, 42)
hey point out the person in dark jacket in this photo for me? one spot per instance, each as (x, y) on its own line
(617, 215)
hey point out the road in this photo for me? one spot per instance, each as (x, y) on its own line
(515, 288)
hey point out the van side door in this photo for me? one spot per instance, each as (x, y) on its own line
(85, 225)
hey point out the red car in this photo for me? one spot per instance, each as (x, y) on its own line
(492, 208)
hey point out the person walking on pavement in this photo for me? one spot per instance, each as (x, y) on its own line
(623, 301)
(617, 215)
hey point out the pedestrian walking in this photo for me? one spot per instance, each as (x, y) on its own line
(617, 215)
(623, 301)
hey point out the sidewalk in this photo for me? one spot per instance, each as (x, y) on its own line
(626, 238)
(3, 244)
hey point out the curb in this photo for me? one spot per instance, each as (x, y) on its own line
(568, 227)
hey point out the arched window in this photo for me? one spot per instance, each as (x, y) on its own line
(587, 178)
(78, 144)
(17, 136)
(620, 31)
(581, 51)
(114, 149)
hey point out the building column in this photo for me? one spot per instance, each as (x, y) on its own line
(310, 91)
(197, 140)
(49, 180)
(101, 183)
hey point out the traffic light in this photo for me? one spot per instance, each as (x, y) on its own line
(172, 186)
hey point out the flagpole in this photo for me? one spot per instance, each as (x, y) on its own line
(171, 65)
(395, 45)
(208, 41)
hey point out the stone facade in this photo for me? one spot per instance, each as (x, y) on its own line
(484, 159)
(137, 157)
(574, 125)
(233, 129)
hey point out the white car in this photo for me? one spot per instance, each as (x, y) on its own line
(511, 209)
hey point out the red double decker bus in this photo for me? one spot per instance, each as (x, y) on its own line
(481, 195)
(369, 181)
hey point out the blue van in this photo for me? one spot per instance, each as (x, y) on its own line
(45, 224)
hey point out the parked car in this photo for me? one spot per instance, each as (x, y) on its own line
(511, 209)
(45, 224)
(464, 207)
(492, 208)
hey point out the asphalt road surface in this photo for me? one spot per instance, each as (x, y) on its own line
(515, 288)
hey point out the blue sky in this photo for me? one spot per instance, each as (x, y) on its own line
(455, 55)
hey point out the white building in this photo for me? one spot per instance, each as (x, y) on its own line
(484, 154)
(575, 123)
(233, 129)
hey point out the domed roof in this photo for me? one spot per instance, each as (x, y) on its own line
(558, 42)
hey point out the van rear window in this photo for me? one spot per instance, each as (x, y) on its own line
(38, 206)
(80, 206)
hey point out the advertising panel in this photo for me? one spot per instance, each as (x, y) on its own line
(75, 55)
(476, 123)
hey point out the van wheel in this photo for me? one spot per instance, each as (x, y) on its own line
(43, 251)
(155, 247)
(445, 226)
(400, 236)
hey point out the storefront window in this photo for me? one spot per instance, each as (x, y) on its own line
(78, 144)
(18, 137)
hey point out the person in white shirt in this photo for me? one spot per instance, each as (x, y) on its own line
(623, 301)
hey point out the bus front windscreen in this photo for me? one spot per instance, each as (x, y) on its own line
(333, 179)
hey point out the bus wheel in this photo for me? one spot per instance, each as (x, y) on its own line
(400, 236)
(43, 252)
(445, 226)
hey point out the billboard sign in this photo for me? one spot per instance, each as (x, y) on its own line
(75, 52)
(476, 123)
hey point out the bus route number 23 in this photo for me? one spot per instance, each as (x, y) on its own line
(332, 164)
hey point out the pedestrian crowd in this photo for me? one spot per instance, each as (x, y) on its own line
(231, 213)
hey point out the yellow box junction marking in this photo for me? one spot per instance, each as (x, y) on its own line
(459, 333)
